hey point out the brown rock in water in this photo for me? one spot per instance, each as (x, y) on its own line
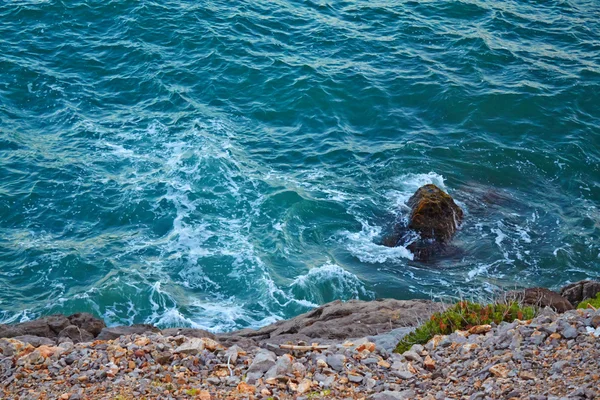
(435, 217)
(579, 291)
(434, 214)
(540, 297)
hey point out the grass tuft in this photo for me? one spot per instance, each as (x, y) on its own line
(595, 303)
(462, 316)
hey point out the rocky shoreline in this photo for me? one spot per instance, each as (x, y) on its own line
(339, 350)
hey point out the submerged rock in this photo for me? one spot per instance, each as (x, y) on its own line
(434, 216)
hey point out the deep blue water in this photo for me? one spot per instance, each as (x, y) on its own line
(224, 164)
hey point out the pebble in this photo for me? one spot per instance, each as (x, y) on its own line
(539, 359)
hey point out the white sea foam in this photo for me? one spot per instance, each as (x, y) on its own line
(363, 246)
(500, 236)
(408, 184)
(480, 269)
(329, 282)
(224, 316)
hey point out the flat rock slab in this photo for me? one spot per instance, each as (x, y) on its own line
(340, 321)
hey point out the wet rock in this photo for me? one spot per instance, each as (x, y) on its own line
(435, 217)
(579, 291)
(540, 297)
(117, 331)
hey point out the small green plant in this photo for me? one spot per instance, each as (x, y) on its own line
(462, 316)
(192, 392)
(314, 395)
(590, 302)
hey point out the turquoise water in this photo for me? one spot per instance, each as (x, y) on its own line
(223, 164)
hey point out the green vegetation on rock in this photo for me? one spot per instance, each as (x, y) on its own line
(463, 316)
(590, 302)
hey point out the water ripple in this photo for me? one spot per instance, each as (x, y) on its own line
(224, 165)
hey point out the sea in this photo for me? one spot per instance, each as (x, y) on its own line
(224, 164)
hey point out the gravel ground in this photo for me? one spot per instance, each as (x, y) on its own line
(554, 356)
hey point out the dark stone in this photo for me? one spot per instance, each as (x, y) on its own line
(540, 297)
(57, 322)
(88, 322)
(189, 332)
(164, 357)
(117, 331)
(35, 341)
(579, 291)
(76, 334)
(52, 325)
(9, 331)
(38, 327)
(434, 217)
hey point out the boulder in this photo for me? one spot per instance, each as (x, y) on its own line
(434, 216)
(38, 327)
(52, 325)
(57, 322)
(540, 297)
(117, 331)
(75, 334)
(35, 341)
(579, 291)
(87, 322)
